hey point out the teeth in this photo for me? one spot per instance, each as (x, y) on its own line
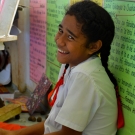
(62, 51)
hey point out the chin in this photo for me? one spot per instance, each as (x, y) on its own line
(61, 61)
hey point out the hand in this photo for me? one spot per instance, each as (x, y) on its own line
(5, 132)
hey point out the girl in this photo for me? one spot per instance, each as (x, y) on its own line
(84, 100)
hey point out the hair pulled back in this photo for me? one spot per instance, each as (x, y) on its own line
(97, 24)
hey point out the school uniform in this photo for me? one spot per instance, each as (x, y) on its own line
(86, 102)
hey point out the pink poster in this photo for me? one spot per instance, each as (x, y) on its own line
(1, 4)
(37, 39)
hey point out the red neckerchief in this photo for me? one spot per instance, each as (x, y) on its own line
(120, 120)
(52, 96)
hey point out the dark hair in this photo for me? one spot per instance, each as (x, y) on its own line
(97, 24)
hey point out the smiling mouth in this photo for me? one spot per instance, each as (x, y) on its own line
(63, 52)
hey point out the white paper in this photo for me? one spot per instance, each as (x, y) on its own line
(7, 16)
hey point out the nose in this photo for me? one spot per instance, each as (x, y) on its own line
(60, 40)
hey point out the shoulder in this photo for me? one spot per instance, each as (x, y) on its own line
(92, 74)
(89, 66)
(89, 69)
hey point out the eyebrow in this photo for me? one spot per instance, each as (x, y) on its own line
(68, 31)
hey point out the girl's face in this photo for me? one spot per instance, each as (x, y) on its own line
(71, 42)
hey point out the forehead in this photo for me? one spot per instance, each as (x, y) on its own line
(70, 23)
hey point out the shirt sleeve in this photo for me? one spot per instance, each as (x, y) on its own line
(81, 102)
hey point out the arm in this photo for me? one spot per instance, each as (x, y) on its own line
(65, 131)
(37, 129)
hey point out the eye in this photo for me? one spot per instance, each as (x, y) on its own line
(70, 37)
(60, 30)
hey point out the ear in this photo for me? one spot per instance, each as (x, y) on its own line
(95, 46)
